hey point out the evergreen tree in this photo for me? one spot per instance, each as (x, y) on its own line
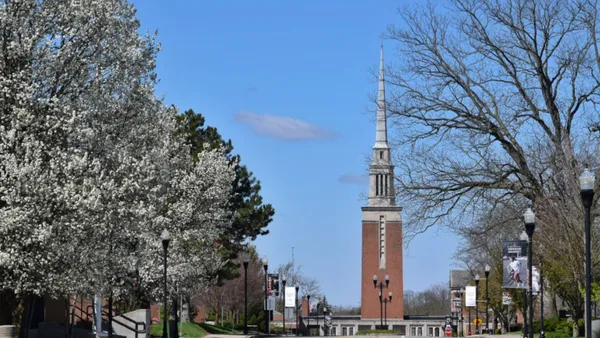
(250, 216)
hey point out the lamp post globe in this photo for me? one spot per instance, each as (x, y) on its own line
(165, 236)
(266, 268)
(529, 219)
(587, 182)
(283, 281)
(476, 304)
(487, 299)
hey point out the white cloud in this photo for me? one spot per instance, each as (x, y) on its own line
(282, 127)
(353, 178)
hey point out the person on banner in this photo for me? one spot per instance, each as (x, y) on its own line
(514, 269)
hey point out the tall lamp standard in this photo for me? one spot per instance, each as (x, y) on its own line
(246, 260)
(385, 301)
(523, 237)
(166, 237)
(586, 182)
(476, 304)
(283, 295)
(318, 327)
(297, 317)
(325, 331)
(308, 314)
(487, 299)
(529, 218)
(266, 268)
(541, 250)
(381, 285)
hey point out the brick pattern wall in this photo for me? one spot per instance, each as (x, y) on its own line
(370, 306)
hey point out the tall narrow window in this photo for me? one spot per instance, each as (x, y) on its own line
(381, 240)
(376, 185)
(381, 154)
(385, 185)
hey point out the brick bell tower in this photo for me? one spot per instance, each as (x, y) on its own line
(381, 225)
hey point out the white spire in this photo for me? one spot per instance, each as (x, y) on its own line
(381, 136)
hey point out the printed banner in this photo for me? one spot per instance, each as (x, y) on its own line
(290, 296)
(273, 285)
(506, 298)
(514, 258)
(455, 302)
(470, 295)
(535, 275)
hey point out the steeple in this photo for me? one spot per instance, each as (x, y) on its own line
(381, 136)
(381, 171)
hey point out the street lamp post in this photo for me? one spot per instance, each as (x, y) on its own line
(487, 299)
(266, 268)
(541, 250)
(246, 260)
(385, 301)
(470, 320)
(283, 296)
(586, 182)
(296, 312)
(325, 331)
(476, 304)
(529, 218)
(166, 237)
(523, 238)
(308, 314)
(318, 327)
(381, 286)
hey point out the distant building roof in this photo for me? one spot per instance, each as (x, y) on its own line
(459, 279)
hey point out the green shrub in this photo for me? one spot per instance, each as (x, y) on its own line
(376, 332)
(498, 331)
(558, 335)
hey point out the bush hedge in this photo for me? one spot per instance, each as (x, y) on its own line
(376, 332)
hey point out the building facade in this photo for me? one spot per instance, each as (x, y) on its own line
(381, 225)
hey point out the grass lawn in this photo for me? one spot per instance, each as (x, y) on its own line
(216, 329)
(190, 330)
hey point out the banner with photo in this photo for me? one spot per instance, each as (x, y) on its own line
(514, 262)
(535, 275)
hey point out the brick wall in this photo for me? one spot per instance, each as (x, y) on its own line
(370, 306)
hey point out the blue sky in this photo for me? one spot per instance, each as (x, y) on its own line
(289, 82)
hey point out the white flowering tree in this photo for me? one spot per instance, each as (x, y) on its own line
(91, 170)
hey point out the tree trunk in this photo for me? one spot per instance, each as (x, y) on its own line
(9, 305)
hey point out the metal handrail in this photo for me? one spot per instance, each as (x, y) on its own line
(120, 314)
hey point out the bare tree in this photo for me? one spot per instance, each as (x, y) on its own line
(293, 274)
(230, 293)
(494, 104)
(434, 300)
(345, 310)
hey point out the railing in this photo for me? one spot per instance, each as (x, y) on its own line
(135, 329)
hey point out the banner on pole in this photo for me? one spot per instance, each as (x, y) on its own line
(514, 263)
(470, 295)
(290, 296)
(535, 275)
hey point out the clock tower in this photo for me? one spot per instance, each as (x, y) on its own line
(381, 225)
